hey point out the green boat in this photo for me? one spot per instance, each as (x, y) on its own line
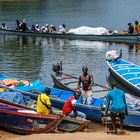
(120, 38)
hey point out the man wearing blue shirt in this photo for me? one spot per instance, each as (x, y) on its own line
(118, 107)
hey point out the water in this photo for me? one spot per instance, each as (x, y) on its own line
(32, 58)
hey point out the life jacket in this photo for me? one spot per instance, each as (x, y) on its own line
(137, 28)
(9, 82)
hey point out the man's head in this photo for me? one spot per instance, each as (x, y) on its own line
(136, 22)
(113, 85)
(47, 91)
(85, 69)
(77, 94)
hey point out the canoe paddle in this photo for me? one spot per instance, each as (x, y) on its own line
(77, 78)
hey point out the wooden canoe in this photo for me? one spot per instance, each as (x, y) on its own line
(19, 120)
(93, 112)
(122, 38)
(69, 82)
(65, 125)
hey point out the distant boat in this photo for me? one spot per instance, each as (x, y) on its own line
(122, 38)
(127, 73)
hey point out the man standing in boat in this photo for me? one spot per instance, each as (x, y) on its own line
(87, 82)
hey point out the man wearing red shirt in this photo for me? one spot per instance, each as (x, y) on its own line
(69, 107)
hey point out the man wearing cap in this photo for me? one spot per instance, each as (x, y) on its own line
(43, 102)
(69, 107)
(87, 82)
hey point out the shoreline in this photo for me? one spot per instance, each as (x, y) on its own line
(94, 131)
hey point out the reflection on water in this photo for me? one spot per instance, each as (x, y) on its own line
(32, 57)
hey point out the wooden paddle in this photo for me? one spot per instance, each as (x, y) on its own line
(77, 78)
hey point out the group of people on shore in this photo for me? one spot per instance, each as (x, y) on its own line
(115, 97)
(22, 26)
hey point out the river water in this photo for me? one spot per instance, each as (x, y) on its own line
(32, 58)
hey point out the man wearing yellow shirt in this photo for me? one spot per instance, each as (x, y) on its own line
(43, 102)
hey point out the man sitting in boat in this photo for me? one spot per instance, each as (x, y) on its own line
(46, 29)
(130, 28)
(137, 27)
(118, 106)
(23, 26)
(62, 29)
(69, 107)
(87, 82)
(37, 28)
(53, 29)
(3, 26)
(43, 102)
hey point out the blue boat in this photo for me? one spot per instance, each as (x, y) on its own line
(27, 100)
(126, 73)
(93, 112)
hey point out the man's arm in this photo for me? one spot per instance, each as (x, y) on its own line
(107, 103)
(126, 110)
(79, 82)
(92, 81)
(74, 108)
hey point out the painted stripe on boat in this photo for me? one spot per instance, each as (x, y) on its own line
(130, 73)
(128, 69)
(123, 65)
(135, 78)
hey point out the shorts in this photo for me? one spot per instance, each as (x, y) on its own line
(120, 115)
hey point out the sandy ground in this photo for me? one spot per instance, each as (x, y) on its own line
(93, 132)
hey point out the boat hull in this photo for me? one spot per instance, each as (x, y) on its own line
(93, 112)
(126, 38)
(127, 74)
(22, 121)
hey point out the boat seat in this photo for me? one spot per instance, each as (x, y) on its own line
(134, 80)
(131, 77)
(127, 70)
(132, 73)
(122, 66)
(138, 84)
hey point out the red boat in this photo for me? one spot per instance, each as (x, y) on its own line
(25, 121)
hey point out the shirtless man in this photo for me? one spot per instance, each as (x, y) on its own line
(87, 82)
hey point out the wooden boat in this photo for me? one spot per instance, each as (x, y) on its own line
(124, 38)
(93, 112)
(69, 82)
(66, 125)
(23, 121)
(127, 73)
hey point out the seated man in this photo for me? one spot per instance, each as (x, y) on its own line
(69, 107)
(43, 102)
